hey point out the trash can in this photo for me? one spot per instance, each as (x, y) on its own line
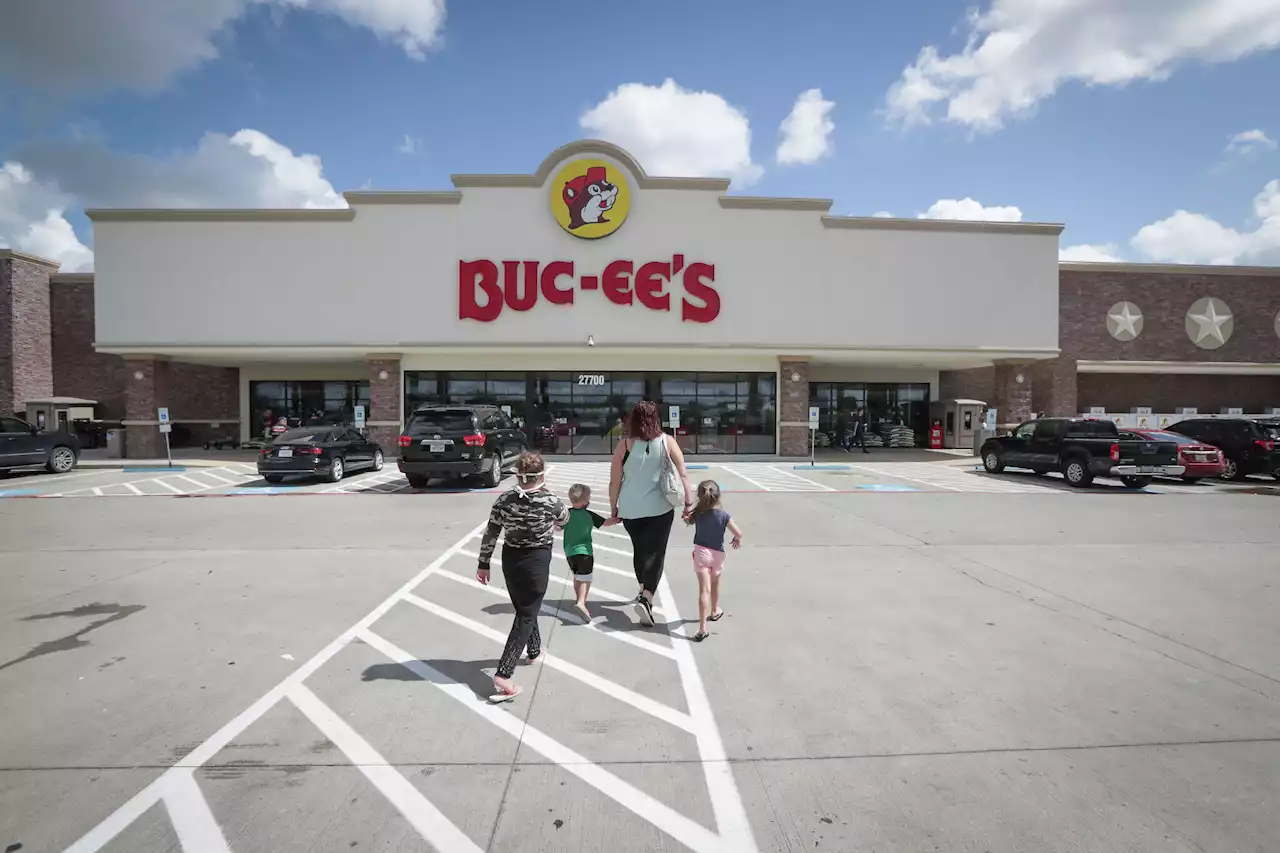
(980, 436)
(115, 443)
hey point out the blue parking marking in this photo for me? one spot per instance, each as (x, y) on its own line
(13, 493)
(887, 487)
(697, 467)
(820, 467)
(153, 469)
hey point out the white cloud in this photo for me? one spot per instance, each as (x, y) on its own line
(806, 131)
(968, 209)
(882, 214)
(411, 145)
(1193, 238)
(31, 220)
(246, 169)
(676, 132)
(73, 45)
(1019, 52)
(1091, 254)
(1249, 142)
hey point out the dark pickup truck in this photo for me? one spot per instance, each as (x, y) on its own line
(1081, 449)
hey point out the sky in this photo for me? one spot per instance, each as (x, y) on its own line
(1148, 127)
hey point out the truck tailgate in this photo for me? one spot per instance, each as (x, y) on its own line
(1148, 453)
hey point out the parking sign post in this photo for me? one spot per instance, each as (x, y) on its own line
(673, 417)
(360, 419)
(162, 415)
(813, 435)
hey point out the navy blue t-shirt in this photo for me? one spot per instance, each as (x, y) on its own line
(708, 529)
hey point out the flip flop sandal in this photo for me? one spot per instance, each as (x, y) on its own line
(499, 698)
(700, 636)
(716, 617)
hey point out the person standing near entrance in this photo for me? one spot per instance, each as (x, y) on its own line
(637, 497)
(529, 513)
(860, 430)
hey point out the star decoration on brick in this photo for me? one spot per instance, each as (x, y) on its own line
(1124, 321)
(1209, 323)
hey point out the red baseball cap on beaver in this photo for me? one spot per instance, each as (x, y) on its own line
(574, 187)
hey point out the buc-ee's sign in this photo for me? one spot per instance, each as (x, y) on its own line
(589, 199)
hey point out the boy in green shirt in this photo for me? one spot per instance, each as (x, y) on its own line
(577, 543)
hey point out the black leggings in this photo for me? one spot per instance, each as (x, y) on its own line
(649, 545)
(526, 571)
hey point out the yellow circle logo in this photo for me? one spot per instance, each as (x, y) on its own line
(590, 198)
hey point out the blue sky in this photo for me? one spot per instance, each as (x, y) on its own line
(1109, 116)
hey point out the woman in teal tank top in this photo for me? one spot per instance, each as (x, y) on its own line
(636, 496)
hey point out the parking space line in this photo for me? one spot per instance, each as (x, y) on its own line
(621, 599)
(739, 474)
(192, 819)
(430, 822)
(612, 633)
(610, 688)
(879, 472)
(170, 486)
(686, 831)
(815, 483)
(209, 472)
(121, 818)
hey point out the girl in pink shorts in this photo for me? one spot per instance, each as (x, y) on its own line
(709, 522)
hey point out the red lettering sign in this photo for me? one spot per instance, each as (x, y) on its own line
(484, 288)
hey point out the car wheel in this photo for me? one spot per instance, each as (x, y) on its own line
(273, 478)
(1076, 472)
(992, 462)
(417, 481)
(493, 476)
(337, 470)
(1136, 482)
(1190, 481)
(377, 460)
(206, 445)
(61, 460)
(1231, 470)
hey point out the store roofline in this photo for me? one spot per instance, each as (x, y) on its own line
(1198, 368)
(1174, 269)
(15, 255)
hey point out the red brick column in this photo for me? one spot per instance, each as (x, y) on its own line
(385, 417)
(1054, 387)
(793, 406)
(1012, 398)
(26, 354)
(146, 389)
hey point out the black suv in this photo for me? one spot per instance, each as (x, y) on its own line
(22, 445)
(1247, 445)
(459, 441)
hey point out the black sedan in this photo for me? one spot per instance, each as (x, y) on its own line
(23, 446)
(325, 451)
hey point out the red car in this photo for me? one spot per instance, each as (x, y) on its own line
(1200, 460)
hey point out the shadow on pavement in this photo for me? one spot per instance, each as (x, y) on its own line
(471, 673)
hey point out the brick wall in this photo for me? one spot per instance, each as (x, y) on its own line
(1168, 393)
(793, 409)
(976, 384)
(1085, 296)
(26, 358)
(79, 371)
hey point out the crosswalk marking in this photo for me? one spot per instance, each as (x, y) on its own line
(771, 478)
(954, 478)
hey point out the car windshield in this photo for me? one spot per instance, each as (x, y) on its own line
(307, 435)
(442, 420)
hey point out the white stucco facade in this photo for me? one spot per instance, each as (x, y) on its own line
(388, 278)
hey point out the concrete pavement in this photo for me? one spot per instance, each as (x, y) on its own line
(1004, 672)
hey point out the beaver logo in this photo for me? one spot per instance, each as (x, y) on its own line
(590, 198)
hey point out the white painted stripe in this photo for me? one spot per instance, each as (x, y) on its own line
(97, 492)
(196, 483)
(104, 832)
(497, 561)
(194, 823)
(794, 476)
(881, 473)
(131, 487)
(212, 472)
(432, 825)
(598, 547)
(170, 486)
(679, 827)
(623, 694)
(614, 535)
(573, 615)
(731, 815)
(755, 483)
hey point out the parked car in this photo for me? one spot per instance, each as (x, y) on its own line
(1081, 449)
(24, 446)
(1201, 460)
(1248, 446)
(459, 441)
(326, 451)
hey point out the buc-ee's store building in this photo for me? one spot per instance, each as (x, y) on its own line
(573, 292)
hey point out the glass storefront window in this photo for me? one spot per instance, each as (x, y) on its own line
(583, 413)
(302, 403)
(889, 406)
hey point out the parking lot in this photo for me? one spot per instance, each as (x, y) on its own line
(915, 656)
(875, 473)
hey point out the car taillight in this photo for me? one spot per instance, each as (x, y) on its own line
(404, 441)
(1115, 453)
(266, 451)
(475, 440)
(1265, 443)
(314, 450)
